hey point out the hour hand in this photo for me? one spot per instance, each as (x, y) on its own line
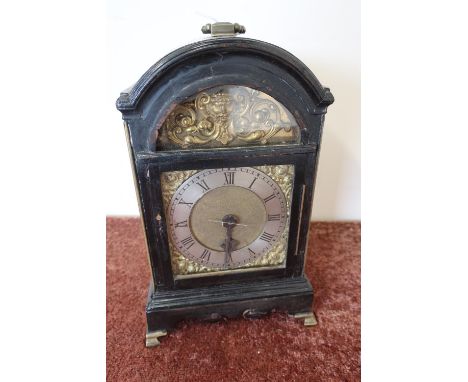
(229, 222)
(228, 250)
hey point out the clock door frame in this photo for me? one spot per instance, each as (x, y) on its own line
(303, 158)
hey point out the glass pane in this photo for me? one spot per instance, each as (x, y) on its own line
(228, 116)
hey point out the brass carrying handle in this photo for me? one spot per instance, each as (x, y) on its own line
(223, 29)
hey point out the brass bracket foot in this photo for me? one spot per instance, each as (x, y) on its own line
(152, 338)
(309, 318)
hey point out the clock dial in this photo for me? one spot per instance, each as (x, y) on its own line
(227, 218)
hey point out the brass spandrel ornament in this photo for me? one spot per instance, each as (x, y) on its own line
(228, 116)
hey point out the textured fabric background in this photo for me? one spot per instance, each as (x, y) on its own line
(275, 348)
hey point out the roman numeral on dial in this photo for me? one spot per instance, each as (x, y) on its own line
(267, 199)
(251, 252)
(181, 224)
(205, 255)
(181, 201)
(188, 242)
(266, 236)
(253, 181)
(229, 176)
(273, 217)
(203, 185)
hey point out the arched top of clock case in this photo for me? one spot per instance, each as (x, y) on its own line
(227, 116)
(223, 61)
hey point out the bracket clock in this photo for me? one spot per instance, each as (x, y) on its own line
(224, 136)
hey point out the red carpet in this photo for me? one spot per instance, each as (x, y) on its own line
(276, 348)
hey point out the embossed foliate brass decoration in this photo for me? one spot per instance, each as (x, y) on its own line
(228, 116)
(283, 175)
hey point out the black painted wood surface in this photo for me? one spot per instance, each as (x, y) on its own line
(171, 81)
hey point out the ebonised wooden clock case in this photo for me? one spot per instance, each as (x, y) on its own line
(220, 61)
